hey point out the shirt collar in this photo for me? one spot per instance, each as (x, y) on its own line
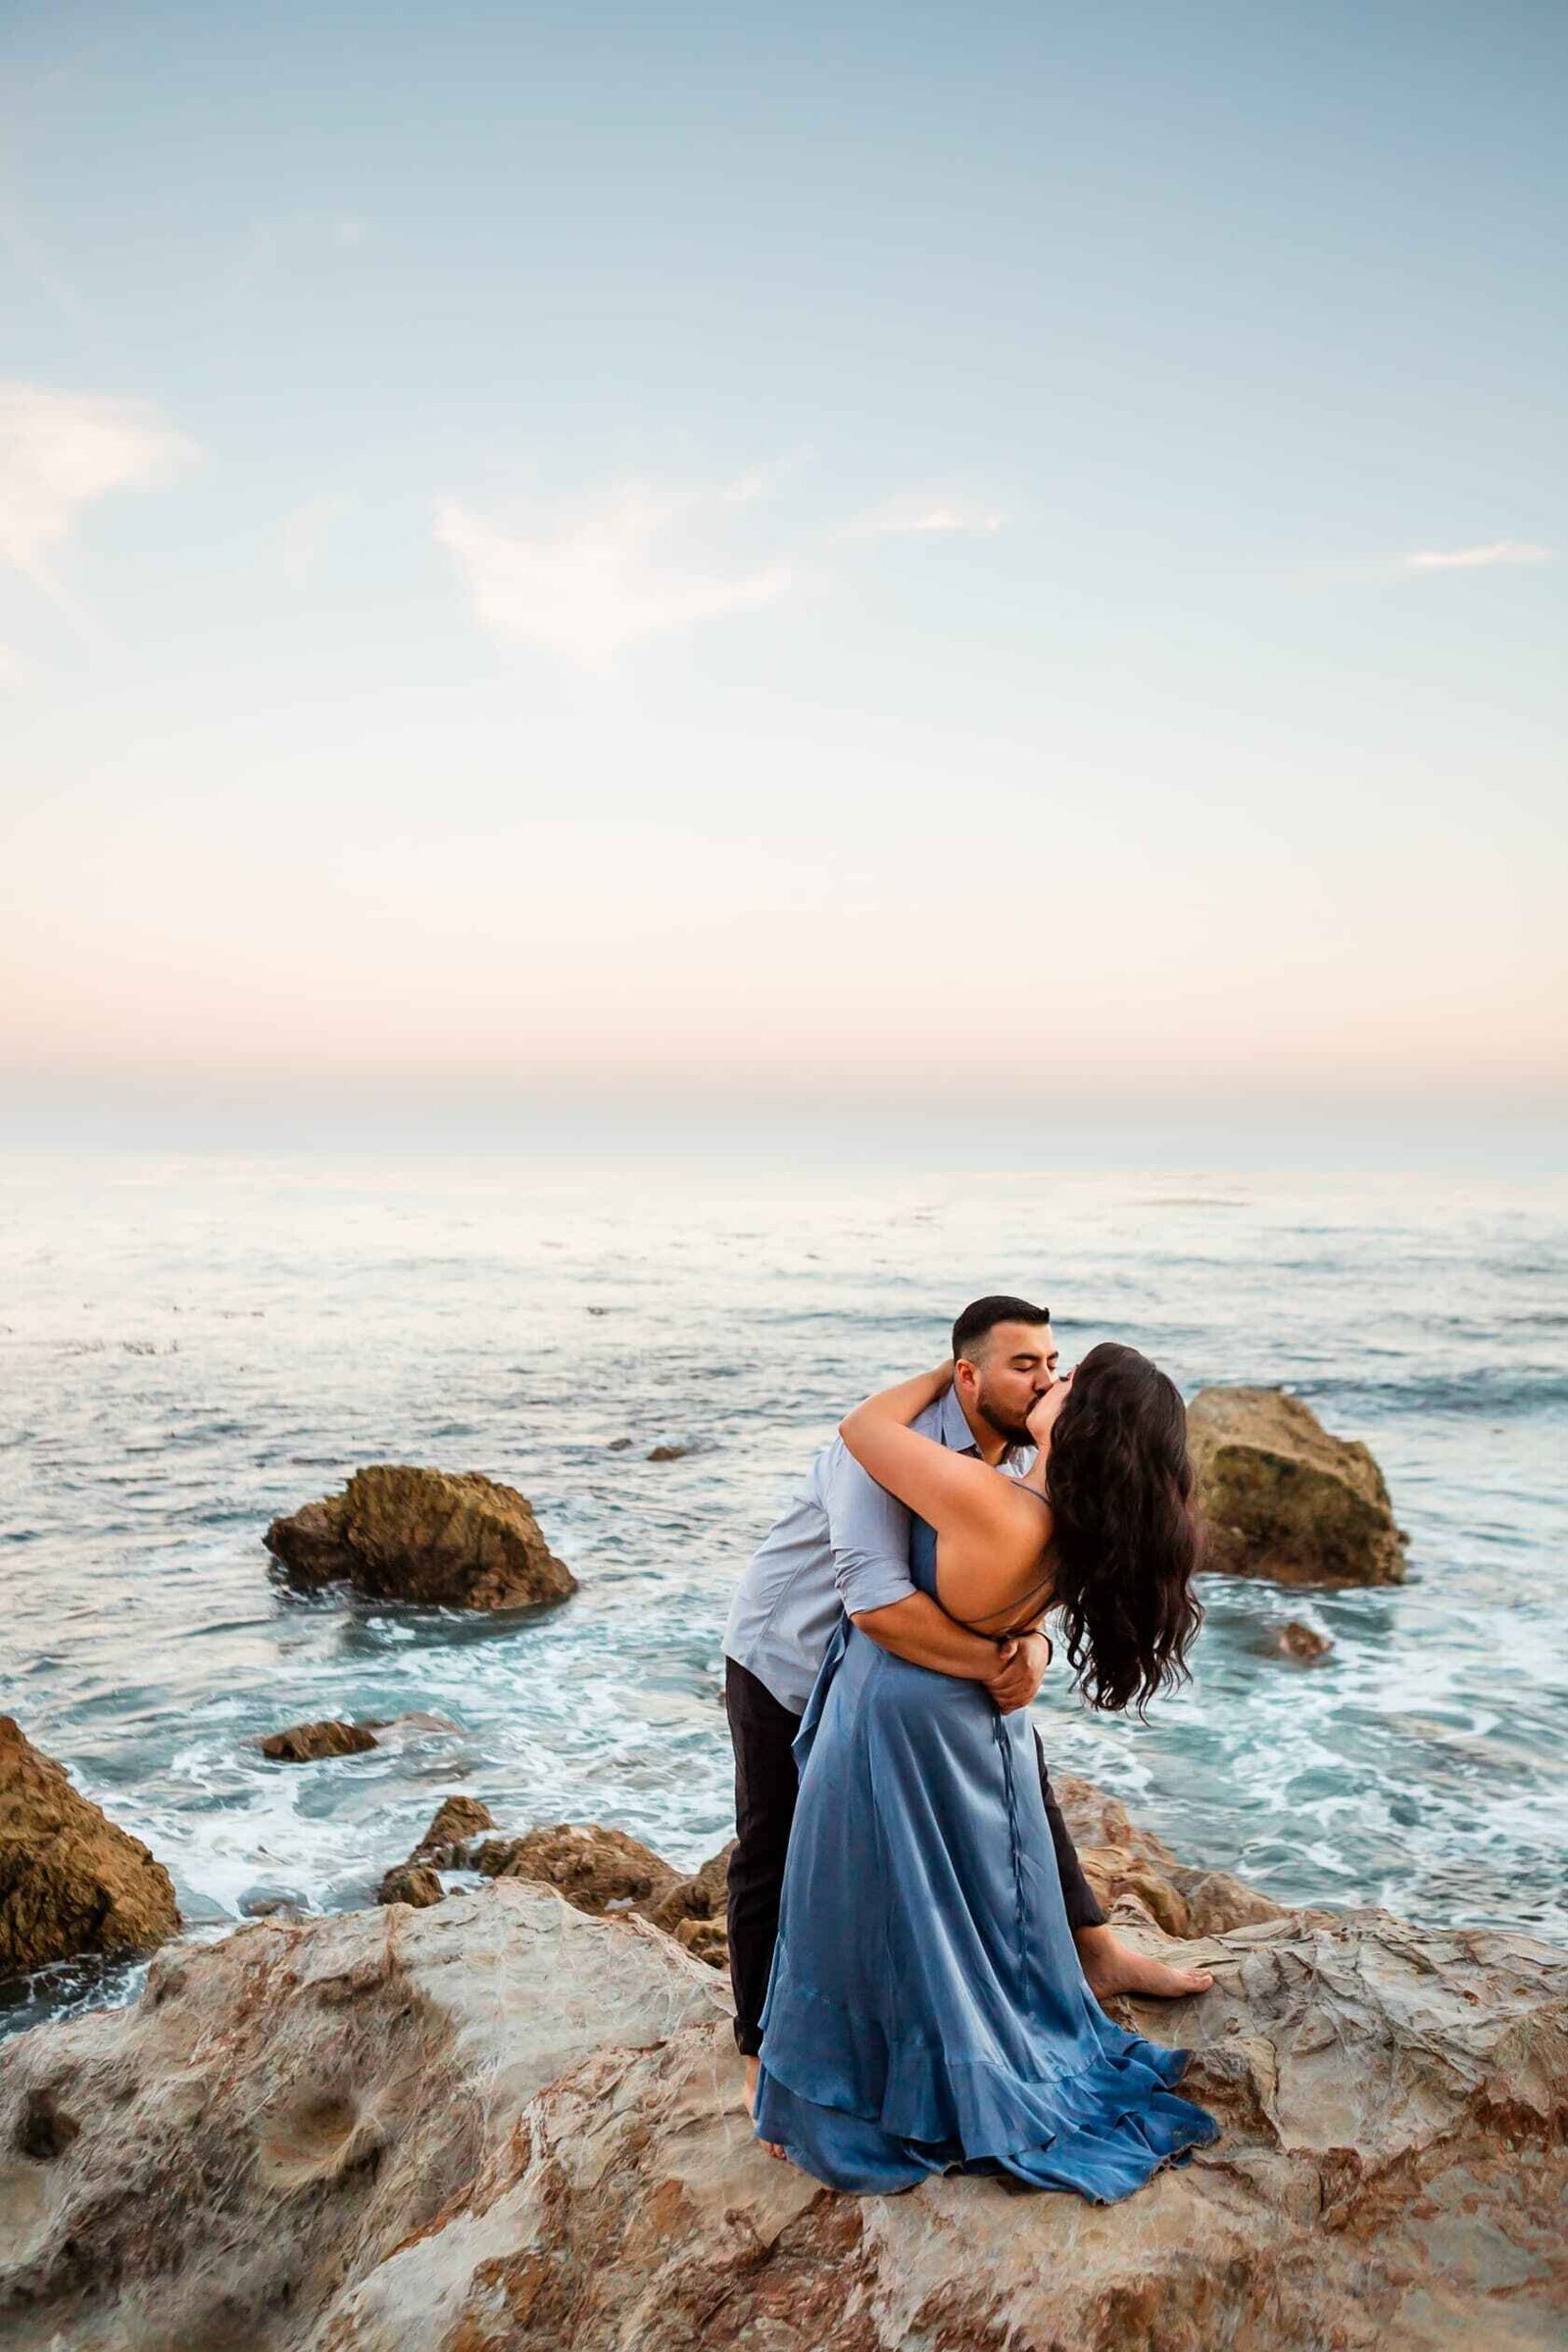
(957, 1435)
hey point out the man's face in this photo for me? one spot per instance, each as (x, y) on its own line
(1013, 1367)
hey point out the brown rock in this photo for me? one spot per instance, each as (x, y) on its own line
(311, 1545)
(70, 1880)
(308, 1742)
(1303, 1642)
(414, 1883)
(455, 1821)
(1284, 1500)
(701, 1896)
(668, 1454)
(693, 1910)
(443, 1846)
(706, 1939)
(437, 1538)
(597, 1870)
(502, 2126)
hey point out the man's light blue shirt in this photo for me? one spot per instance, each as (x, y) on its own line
(843, 1543)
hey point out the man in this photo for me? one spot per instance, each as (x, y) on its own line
(844, 1544)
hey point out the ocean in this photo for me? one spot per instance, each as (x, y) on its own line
(190, 1345)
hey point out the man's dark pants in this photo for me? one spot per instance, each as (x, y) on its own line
(765, 1784)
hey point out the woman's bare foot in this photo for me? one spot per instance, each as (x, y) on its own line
(749, 2094)
(1111, 1966)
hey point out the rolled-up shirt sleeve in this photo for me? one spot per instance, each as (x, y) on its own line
(868, 1534)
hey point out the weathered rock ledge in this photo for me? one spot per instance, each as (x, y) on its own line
(503, 2126)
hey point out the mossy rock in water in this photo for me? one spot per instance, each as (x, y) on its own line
(1282, 1499)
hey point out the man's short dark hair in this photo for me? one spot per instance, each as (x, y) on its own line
(982, 1316)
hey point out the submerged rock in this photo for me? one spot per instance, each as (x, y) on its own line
(70, 1880)
(1303, 1642)
(668, 1454)
(1283, 1500)
(438, 1537)
(505, 2127)
(309, 1743)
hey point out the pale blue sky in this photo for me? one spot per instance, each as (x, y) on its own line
(653, 568)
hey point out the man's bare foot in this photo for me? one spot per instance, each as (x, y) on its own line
(749, 2094)
(1111, 1966)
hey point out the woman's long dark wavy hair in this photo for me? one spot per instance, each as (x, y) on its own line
(1127, 1539)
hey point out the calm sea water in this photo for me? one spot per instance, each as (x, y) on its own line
(189, 1346)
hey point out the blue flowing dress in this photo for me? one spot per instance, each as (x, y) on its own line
(926, 2010)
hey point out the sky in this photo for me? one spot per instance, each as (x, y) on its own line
(967, 582)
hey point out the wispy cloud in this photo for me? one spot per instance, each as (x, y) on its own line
(615, 569)
(918, 514)
(59, 453)
(1476, 559)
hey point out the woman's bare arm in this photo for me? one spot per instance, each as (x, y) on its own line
(951, 1492)
(990, 1533)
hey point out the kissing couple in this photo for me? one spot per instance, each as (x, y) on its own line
(917, 1958)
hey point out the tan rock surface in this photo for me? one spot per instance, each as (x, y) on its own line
(437, 1538)
(203, 2173)
(70, 1880)
(502, 2127)
(1284, 1500)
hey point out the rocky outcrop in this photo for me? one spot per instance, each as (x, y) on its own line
(70, 1880)
(597, 1870)
(441, 1538)
(1283, 1500)
(309, 1743)
(457, 1822)
(1136, 1875)
(414, 1883)
(693, 1910)
(281, 2110)
(501, 2126)
(594, 1869)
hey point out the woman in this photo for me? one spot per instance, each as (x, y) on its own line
(926, 2010)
